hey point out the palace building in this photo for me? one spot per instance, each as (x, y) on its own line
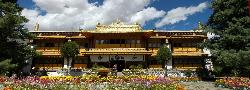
(120, 44)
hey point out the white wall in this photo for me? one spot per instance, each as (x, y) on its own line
(106, 58)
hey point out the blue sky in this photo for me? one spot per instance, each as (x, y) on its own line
(41, 9)
(192, 20)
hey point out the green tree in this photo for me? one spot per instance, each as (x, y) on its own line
(13, 49)
(163, 54)
(230, 22)
(69, 51)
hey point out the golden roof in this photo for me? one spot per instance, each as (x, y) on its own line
(118, 27)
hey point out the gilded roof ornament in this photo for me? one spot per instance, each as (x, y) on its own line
(200, 27)
(137, 23)
(118, 26)
(118, 21)
(36, 27)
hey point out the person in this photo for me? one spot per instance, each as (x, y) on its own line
(114, 70)
(115, 67)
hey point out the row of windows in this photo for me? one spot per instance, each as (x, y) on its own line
(118, 41)
(50, 44)
(58, 45)
(123, 41)
(50, 61)
(184, 44)
(57, 61)
(187, 61)
(80, 61)
(154, 62)
(154, 44)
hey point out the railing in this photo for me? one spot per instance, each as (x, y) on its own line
(48, 50)
(186, 50)
(119, 45)
(82, 50)
(80, 66)
(116, 49)
(155, 66)
(186, 66)
(154, 51)
(189, 49)
(49, 66)
(53, 50)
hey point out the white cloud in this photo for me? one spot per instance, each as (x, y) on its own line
(147, 15)
(181, 13)
(31, 15)
(71, 14)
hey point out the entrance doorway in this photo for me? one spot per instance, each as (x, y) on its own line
(120, 64)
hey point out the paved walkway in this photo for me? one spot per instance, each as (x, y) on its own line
(120, 74)
(201, 85)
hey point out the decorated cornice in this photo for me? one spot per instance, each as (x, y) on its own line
(117, 27)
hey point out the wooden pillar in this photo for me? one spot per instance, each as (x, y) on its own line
(145, 57)
(130, 42)
(169, 64)
(89, 62)
(146, 44)
(70, 62)
(249, 7)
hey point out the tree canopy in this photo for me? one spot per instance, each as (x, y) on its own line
(163, 54)
(13, 48)
(69, 49)
(230, 22)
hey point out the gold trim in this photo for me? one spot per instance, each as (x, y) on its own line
(51, 36)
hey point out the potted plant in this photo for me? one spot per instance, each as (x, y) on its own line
(103, 72)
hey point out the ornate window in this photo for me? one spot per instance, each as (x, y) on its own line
(97, 41)
(138, 41)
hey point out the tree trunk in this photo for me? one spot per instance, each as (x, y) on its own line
(70, 62)
(65, 62)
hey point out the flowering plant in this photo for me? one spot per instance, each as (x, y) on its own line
(237, 83)
(88, 82)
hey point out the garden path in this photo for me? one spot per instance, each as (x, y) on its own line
(201, 85)
(120, 74)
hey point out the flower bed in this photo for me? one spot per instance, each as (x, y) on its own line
(92, 82)
(236, 83)
(134, 72)
(185, 79)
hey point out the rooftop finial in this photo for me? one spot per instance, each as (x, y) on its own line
(200, 26)
(118, 21)
(137, 23)
(36, 27)
(98, 23)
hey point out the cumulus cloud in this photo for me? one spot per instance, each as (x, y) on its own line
(71, 14)
(147, 15)
(181, 13)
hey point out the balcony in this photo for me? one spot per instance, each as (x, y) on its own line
(187, 51)
(53, 50)
(117, 51)
(48, 50)
(192, 67)
(154, 51)
(118, 45)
